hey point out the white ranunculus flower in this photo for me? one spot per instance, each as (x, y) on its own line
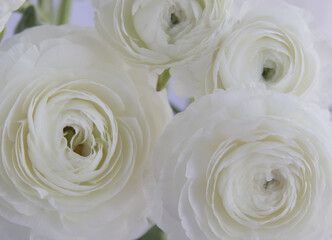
(6, 9)
(271, 44)
(162, 33)
(245, 164)
(76, 131)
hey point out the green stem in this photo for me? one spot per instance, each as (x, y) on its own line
(2, 34)
(45, 11)
(46, 6)
(64, 12)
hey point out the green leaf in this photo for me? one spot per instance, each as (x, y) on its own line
(163, 79)
(154, 234)
(29, 19)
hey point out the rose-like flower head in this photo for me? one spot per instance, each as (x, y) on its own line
(245, 164)
(76, 131)
(6, 9)
(162, 33)
(271, 44)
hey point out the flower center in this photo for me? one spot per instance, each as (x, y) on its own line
(70, 134)
(174, 19)
(176, 15)
(271, 184)
(269, 71)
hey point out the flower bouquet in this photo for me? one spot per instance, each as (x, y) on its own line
(93, 148)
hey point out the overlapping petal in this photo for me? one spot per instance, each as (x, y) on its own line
(162, 33)
(76, 131)
(272, 44)
(244, 164)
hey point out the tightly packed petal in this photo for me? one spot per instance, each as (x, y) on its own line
(271, 44)
(244, 164)
(161, 33)
(76, 132)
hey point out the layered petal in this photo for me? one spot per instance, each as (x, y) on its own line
(244, 164)
(161, 34)
(76, 131)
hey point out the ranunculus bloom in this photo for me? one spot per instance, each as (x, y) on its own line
(76, 132)
(162, 33)
(6, 9)
(245, 164)
(271, 44)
